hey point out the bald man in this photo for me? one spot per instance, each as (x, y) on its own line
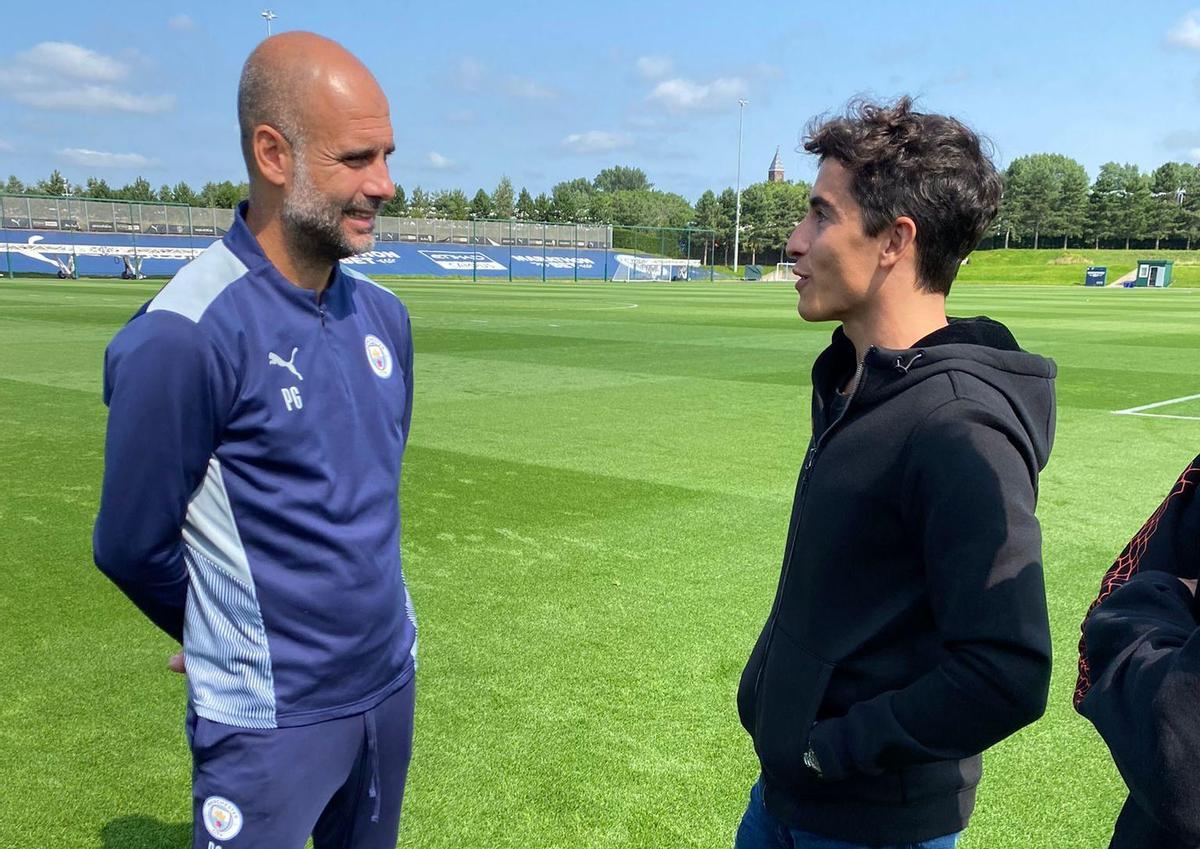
(259, 406)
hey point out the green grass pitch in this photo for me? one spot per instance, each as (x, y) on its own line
(595, 496)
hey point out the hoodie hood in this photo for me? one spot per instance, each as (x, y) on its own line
(978, 346)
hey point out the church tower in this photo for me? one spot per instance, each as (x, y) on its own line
(775, 175)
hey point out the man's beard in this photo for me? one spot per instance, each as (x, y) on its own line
(313, 224)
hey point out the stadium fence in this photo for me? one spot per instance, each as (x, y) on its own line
(71, 236)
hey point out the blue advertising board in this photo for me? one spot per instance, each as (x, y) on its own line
(1096, 275)
(108, 254)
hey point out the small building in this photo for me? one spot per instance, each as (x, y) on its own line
(1154, 272)
(775, 174)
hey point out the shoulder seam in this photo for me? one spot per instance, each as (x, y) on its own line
(191, 305)
(358, 275)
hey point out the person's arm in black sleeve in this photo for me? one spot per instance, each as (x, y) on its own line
(971, 498)
(168, 392)
(1143, 647)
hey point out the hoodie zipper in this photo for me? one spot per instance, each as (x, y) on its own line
(805, 476)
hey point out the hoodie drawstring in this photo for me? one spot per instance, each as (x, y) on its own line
(903, 367)
(373, 754)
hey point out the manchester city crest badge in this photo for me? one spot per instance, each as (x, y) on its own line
(378, 356)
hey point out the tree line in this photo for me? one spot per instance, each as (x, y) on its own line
(1048, 202)
(622, 196)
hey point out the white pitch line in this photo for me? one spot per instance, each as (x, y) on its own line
(1134, 410)
(602, 309)
(1159, 416)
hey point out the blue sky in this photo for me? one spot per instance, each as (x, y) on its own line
(544, 91)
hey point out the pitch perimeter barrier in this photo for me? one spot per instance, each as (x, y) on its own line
(71, 254)
(70, 237)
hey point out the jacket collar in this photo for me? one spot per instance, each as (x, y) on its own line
(245, 246)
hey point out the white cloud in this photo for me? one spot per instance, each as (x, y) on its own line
(94, 98)
(101, 159)
(1186, 32)
(654, 67)
(469, 74)
(57, 75)
(70, 60)
(6, 147)
(472, 76)
(684, 95)
(527, 89)
(1194, 154)
(438, 162)
(596, 141)
(182, 23)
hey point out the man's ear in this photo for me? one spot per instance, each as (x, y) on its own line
(272, 154)
(900, 242)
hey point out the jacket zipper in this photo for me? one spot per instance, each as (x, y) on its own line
(805, 475)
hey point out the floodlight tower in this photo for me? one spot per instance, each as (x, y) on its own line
(737, 215)
(269, 16)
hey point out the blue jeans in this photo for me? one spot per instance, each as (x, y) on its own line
(760, 830)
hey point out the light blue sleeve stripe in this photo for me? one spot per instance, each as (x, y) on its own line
(225, 641)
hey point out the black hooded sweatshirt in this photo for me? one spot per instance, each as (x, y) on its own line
(909, 630)
(1139, 673)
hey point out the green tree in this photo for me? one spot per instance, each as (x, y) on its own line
(55, 184)
(755, 211)
(645, 209)
(1138, 214)
(164, 194)
(182, 193)
(419, 204)
(1071, 219)
(728, 202)
(770, 211)
(14, 186)
(525, 207)
(481, 205)
(710, 215)
(1171, 185)
(139, 189)
(223, 195)
(621, 178)
(1105, 203)
(543, 207)
(97, 188)
(503, 198)
(452, 205)
(1046, 193)
(571, 200)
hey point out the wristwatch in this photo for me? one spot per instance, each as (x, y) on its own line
(810, 760)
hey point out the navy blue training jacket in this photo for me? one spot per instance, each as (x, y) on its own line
(250, 501)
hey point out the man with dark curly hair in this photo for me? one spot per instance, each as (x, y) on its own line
(909, 629)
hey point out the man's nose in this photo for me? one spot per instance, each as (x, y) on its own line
(380, 184)
(797, 244)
